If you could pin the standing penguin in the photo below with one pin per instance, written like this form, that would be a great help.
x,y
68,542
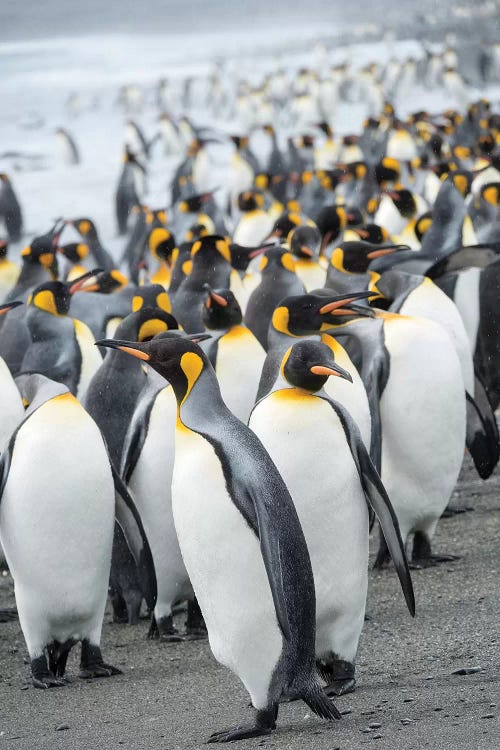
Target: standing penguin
x,y
130,189
60,584
305,243
61,347
69,149
98,255
308,434
278,280
11,406
234,352
258,588
147,467
9,271
10,210
111,400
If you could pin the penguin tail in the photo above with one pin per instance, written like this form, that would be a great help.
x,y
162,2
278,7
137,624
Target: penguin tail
x,y
320,703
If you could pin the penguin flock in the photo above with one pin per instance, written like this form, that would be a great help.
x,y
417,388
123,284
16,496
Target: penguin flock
x,y
291,352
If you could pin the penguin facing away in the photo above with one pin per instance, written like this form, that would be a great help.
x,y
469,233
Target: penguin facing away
x,y
308,434
257,593
61,590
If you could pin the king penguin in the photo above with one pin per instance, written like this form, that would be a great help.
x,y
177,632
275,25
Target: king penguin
x,y
111,400
234,352
308,434
56,527
258,588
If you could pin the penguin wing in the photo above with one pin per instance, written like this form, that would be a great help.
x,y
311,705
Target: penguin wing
x,y
5,462
378,499
259,493
130,522
135,438
482,438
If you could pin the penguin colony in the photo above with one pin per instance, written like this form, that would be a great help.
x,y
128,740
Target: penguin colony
x,y
284,360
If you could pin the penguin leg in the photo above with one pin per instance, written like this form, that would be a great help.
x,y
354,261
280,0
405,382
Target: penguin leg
x,y
164,629
421,553
383,554
195,624
92,664
120,614
265,722
41,676
338,675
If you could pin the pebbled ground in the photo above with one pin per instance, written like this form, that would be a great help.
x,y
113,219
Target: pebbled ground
x,y
174,696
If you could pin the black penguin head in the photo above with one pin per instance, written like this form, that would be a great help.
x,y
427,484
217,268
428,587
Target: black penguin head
x,y
486,144
275,260
461,179
250,200
491,193
177,358
53,297
305,242
241,255
324,126
75,252
195,203
355,170
286,223
353,215
388,170
85,227
355,257
309,364
42,250
197,231
240,141
404,200
373,233
210,249
220,309
151,295
330,221
105,282
161,243
146,323
305,314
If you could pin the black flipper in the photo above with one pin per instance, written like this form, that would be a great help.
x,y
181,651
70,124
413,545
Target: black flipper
x,y
482,438
130,523
377,498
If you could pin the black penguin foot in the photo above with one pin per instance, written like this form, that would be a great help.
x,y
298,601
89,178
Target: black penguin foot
x,y
42,677
265,722
195,624
164,630
455,510
338,675
120,614
422,556
431,561
340,687
92,663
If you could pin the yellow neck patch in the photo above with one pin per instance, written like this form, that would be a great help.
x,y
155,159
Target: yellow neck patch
x,y
150,328
288,262
192,367
45,301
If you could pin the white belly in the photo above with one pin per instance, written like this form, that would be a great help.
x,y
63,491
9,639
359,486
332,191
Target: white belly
x,y
423,422
252,228
467,300
151,487
311,274
307,442
428,301
91,357
238,367
56,524
225,565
